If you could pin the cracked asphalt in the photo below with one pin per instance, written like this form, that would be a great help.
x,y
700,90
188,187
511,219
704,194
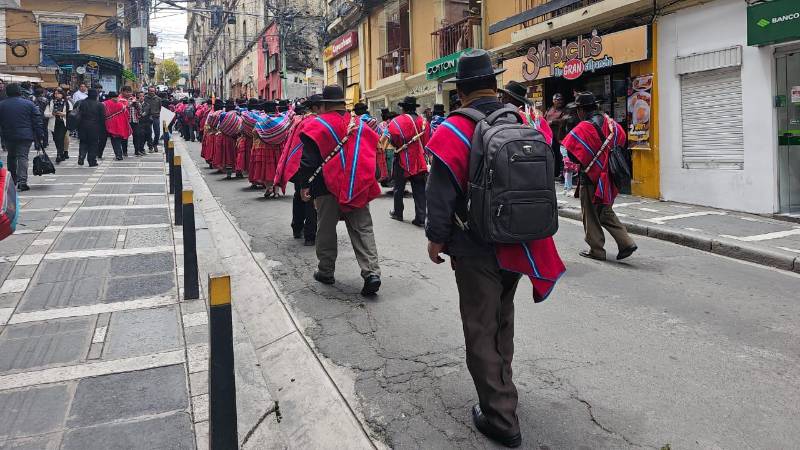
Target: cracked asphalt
x,y
676,346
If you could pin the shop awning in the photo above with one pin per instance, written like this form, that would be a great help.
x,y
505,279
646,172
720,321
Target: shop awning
x,y
11,78
79,59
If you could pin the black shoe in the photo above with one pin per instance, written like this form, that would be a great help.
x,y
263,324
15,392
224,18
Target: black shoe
x,y
92,165
118,158
297,234
66,155
625,252
490,432
324,279
59,159
80,163
155,149
125,154
590,255
371,285
22,187
310,243
419,223
394,216
239,175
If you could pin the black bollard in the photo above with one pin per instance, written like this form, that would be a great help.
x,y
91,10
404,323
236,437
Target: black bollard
x,y
222,424
191,288
178,190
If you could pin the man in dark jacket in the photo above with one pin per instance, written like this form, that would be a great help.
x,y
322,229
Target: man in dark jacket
x,y
91,126
21,124
152,108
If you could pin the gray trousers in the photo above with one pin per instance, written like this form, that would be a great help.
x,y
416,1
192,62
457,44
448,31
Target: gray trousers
x,y
359,227
18,160
486,301
595,218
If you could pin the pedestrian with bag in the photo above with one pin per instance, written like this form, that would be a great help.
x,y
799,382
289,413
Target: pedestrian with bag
x,y
591,144
408,134
21,125
140,123
57,109
492,209
515,93
91,123
117,121
152,109
337,172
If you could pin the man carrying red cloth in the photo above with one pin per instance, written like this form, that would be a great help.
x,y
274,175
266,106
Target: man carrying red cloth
x,y
595,187
118,125
487,274
408,134
337,170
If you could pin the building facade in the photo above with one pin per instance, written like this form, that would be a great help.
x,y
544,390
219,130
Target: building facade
x,y
69,41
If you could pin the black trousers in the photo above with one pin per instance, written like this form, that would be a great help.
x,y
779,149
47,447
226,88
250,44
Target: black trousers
x,y
59,138
304,216
88,149
417,190
486,302
102,140
45,125
116,144
141,133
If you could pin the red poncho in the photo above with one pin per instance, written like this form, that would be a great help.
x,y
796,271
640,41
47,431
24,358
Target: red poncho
x,y
534,119
401,131
117,118
350,175
539,259
243,144
583,142
289,161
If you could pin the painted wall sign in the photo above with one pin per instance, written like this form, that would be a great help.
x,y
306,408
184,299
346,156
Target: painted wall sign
x,y
772,22
343,43
585,54
444,66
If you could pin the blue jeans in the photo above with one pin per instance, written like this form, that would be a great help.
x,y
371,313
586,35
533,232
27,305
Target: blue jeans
x,y
18,151
153,144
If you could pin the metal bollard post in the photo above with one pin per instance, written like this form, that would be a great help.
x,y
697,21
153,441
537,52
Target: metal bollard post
x,y
170,152
191,288
178,190
222,424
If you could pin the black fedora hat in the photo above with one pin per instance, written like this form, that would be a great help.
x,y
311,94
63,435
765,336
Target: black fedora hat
x,y
409,102
360,108
583,99
332,94
438,109
517,91
473,65
312,100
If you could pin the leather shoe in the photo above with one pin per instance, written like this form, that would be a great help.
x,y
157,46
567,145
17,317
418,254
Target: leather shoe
x,y
488,430
419,223
590,255
625,252
371,285
324,279
394,216
310,243
22,187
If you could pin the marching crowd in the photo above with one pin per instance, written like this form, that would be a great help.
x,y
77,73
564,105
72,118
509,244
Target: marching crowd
x,y
495,220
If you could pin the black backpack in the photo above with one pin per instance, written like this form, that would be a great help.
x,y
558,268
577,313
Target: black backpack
x,y
618,167
512,194
42,165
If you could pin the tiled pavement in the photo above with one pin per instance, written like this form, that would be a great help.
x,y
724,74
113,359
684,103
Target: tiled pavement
x,y
97,351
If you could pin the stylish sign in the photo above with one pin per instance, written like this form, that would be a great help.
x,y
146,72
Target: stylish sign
x,y
444,66
772,22
584,54
342,44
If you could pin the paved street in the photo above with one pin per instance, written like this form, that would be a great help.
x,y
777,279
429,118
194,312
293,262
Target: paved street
x,y
675,346
96,350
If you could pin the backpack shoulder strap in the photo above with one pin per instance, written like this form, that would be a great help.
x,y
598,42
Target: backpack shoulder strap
x,y
470,113
504,111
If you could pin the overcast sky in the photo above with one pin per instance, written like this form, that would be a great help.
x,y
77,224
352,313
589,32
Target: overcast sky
x,y
169,26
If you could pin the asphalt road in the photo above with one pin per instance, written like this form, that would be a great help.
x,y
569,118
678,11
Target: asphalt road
x,y
675,346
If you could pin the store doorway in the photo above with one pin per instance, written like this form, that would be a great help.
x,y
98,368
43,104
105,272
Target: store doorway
x,y
787,102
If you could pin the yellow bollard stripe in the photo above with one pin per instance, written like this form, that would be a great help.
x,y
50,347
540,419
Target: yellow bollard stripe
x,y
177,161
219,290
187,197
170,144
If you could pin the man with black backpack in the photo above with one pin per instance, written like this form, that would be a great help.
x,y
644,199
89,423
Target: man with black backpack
x,y
492,208
595,144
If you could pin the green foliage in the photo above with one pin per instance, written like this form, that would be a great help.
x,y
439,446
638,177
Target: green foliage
x,y
168,72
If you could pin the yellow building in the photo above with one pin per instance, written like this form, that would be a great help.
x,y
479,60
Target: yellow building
x,y
37,37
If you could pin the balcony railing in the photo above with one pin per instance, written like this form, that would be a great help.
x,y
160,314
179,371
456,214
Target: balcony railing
x,y
394,62
458,36
530,4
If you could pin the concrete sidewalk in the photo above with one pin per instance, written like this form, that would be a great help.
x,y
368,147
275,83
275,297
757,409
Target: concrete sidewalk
x,y
97,350
743,236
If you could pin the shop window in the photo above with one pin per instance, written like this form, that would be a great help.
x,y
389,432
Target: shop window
x,y
58,38
396,39
341,79
711,116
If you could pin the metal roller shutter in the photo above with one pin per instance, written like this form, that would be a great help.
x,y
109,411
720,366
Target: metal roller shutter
x,y
712,127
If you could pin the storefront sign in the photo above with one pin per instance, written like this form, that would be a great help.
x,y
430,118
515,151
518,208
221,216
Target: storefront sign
x,y
585,54
639,102
342,44
423,89
795,94
771,22
444,66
